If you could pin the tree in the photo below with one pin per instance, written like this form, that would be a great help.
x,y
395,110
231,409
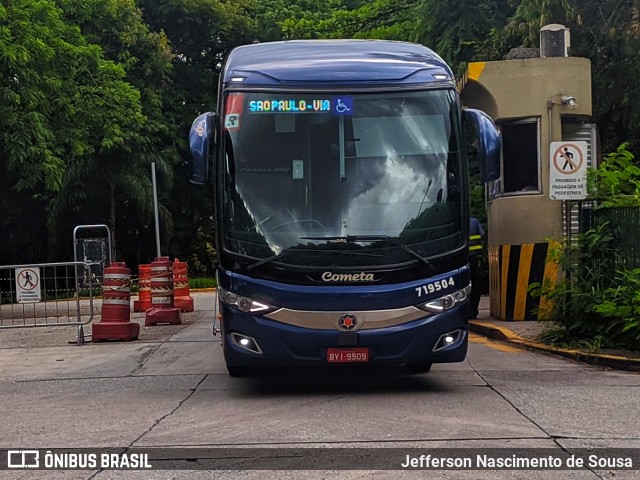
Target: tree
x,y
616,181
115,185
200,33
456,29
61,102
307,19
608,33
531,15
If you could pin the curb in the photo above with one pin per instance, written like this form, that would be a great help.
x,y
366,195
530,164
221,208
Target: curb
x,y
497,332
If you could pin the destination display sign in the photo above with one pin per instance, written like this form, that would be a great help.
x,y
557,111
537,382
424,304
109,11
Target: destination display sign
x,y
337,105
289,106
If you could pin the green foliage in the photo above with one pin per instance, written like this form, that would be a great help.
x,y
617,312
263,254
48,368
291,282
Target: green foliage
x,y
53,88
477,203
621,306
93,91
193,234
456,28
608,33
531,15
200,33
202,282
115,180
62,104
593,345
616,181
382,19
593,307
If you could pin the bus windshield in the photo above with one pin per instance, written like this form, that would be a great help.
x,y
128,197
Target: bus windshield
x,y
342,179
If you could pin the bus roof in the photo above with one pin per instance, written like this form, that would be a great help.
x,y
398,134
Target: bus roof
x,y
335,62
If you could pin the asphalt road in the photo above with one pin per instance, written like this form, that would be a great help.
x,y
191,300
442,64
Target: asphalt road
x,y
171,389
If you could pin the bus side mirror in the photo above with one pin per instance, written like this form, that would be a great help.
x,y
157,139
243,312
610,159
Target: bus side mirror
x,y
201,146
489,143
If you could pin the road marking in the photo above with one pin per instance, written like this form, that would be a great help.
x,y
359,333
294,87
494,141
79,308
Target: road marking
x,y
479,339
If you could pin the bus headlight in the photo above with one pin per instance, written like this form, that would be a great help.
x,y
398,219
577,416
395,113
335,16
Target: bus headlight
x,y
245,304
447,302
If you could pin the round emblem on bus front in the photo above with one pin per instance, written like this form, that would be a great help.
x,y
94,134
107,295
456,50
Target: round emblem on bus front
x,y
347,322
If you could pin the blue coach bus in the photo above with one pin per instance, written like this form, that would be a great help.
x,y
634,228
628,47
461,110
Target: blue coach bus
x,y
341,187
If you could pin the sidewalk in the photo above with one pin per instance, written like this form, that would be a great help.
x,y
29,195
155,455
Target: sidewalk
x,y
49,333
525,334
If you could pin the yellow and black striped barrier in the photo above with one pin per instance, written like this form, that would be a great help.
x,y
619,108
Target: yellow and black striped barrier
x,y
512,269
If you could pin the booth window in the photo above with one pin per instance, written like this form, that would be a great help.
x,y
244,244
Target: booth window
x,y
520,156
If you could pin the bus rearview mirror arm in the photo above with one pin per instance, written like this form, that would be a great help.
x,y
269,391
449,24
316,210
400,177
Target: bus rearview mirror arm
x,y
489,143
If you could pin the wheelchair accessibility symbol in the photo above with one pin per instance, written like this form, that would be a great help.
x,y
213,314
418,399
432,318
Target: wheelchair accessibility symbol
x,y
343,106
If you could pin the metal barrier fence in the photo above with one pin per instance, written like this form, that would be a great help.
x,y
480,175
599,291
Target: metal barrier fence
x,y
46,295
623,223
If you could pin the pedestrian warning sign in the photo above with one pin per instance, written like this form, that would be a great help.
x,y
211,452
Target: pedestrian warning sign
x,y
568,171
28,284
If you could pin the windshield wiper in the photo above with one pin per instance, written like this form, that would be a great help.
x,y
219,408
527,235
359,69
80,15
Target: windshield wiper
x,y
284,253
367,238
273,258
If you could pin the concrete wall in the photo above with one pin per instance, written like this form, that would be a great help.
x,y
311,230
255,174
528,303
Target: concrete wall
x,y
523,87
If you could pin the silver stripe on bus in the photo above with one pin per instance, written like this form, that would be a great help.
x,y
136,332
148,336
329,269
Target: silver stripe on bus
x,y
367,319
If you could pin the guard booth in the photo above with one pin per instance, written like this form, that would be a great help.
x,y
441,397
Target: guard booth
x,y
92,245
541,102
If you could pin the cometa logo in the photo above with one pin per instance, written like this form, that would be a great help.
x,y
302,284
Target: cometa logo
x,y
347,277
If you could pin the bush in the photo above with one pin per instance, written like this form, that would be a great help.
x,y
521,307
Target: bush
x,y
616,181
621,306
592,307
202,282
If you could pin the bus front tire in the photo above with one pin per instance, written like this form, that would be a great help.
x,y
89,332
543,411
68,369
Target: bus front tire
x,y
239,371
418,367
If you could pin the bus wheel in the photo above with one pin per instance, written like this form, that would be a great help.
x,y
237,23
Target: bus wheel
x,y
418,367
239,371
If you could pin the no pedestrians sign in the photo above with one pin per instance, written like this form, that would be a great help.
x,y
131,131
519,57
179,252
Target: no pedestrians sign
x,y
568,171
28,284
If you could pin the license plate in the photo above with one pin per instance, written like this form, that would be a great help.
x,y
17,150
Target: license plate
x,y
347,355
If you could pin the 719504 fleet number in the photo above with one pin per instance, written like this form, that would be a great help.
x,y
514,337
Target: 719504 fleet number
x,y
435,286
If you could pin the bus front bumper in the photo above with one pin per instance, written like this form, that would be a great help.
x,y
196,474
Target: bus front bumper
x,y
260,341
